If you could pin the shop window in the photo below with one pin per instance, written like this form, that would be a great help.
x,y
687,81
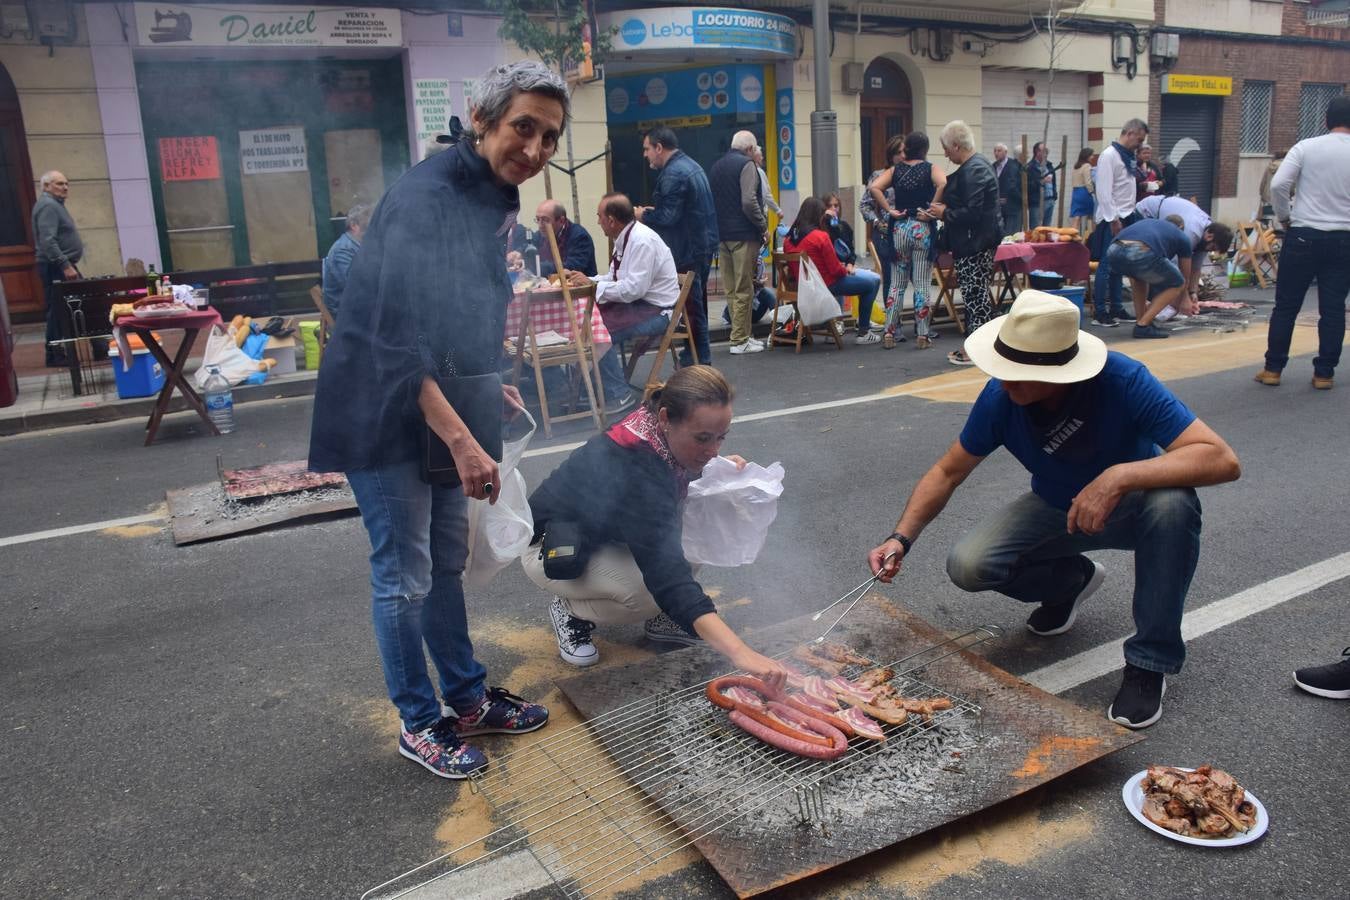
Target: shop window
x,y
1312,108
1256,101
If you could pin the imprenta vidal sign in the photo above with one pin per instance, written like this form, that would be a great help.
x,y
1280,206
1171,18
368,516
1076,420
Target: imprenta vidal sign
x,y
183,25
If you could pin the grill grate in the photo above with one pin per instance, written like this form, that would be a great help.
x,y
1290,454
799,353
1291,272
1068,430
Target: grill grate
x,y
606,799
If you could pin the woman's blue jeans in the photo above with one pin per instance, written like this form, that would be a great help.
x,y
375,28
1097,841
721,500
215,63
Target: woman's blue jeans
x,y
419,543
864,283
1024,551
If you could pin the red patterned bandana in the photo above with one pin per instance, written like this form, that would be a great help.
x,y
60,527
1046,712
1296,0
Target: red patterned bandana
x,y
640,429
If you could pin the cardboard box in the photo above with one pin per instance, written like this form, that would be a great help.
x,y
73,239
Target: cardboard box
x,y
283,351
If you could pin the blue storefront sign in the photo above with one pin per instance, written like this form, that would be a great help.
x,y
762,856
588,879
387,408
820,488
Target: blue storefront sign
x,y
787,147
707,28
710,91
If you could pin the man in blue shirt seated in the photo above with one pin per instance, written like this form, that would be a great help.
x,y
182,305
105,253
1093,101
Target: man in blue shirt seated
x,y
1156,256
574,242
340,256
1087,424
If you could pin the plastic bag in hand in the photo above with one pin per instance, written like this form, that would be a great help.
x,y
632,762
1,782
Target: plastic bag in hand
x,y
728,513
499,533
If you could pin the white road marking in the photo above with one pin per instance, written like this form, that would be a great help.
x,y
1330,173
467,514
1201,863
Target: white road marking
x,y
80,529
501,878
1106,658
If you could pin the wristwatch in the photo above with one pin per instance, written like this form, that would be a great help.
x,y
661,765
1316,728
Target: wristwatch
x,y
904,541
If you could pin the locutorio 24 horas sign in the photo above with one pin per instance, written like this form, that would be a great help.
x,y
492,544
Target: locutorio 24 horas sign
x,y
197,25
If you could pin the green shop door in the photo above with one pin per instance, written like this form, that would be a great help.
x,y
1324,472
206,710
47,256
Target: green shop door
x,y
259,162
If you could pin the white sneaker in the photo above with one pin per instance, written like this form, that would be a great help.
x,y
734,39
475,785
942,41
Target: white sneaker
x,y
573,634
750,346
756,341
870,337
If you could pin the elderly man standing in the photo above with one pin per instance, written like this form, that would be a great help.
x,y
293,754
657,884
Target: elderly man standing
x,y
1115,191
340,256
1087,424
738,197
682,213
1316,245
59,249
574,242
1009,172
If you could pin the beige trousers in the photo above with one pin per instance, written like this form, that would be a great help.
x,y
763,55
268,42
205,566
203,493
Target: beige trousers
x,y
737,263
610,592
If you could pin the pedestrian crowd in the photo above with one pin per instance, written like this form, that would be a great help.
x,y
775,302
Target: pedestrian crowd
x,y
1114,458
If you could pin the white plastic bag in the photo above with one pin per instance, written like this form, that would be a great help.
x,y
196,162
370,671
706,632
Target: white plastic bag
x,y
235,364
815,303
499,533
728,513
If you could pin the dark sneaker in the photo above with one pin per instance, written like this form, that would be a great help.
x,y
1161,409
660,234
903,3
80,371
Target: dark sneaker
x,y
662,627
1138,703
1327,681
1109,323
573,634
1121,317
1149,331
620,404
501,712
1050,620
440,751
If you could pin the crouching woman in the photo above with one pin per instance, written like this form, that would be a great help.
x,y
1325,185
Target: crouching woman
x,y
618,500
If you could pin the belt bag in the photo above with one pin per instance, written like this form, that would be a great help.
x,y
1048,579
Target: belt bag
x,y
564,551
477,399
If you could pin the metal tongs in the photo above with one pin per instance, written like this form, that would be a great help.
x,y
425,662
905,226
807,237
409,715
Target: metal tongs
x,y
856,594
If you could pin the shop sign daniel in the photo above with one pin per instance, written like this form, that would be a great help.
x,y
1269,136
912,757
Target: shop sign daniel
x,y
196,25
702,28
1204,85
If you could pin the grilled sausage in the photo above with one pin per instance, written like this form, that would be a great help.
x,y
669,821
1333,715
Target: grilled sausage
x,y
775,737
714,689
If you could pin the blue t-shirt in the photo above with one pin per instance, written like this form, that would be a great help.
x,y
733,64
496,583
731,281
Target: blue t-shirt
x,y
1161,236
1122,415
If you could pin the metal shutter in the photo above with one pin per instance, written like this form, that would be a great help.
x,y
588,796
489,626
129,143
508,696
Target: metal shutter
x,y
1192,123
1006,117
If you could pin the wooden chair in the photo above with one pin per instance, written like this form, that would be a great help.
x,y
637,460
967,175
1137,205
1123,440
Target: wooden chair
x,y
677,330
947,283
578,351
1255,245
326,321
787,296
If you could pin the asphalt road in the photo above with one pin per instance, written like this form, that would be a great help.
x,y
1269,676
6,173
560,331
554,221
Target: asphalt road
x,y
210,721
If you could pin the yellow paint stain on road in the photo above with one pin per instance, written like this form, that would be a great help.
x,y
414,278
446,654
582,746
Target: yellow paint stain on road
x,y
1184,355
132,531
1013,833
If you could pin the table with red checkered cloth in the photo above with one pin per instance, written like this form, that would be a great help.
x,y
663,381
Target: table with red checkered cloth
x,y
548,312
145,327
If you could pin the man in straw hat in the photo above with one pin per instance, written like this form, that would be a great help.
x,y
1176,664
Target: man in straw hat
x,y
1087,424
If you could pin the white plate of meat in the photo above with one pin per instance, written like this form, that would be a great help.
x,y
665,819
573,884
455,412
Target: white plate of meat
x,y
1205,807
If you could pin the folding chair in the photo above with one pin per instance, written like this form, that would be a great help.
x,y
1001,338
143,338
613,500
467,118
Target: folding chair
x,y
579,350
947,283
787,296
677,330
326,321
1255,245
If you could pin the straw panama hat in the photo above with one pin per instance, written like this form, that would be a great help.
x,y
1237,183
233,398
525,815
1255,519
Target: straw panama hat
x,y
1038,340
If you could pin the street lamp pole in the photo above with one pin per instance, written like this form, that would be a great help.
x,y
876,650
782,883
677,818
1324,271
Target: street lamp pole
x,y
824,120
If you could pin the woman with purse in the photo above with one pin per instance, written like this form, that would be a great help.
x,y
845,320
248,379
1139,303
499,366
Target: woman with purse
x,y
915,183
969,213
810,235
608,538
412,368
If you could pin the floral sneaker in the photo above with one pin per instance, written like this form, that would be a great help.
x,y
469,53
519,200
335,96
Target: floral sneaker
x,y
439,750
501,712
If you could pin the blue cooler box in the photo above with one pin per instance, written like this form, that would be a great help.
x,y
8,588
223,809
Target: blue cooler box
x,y
1074,295
143,379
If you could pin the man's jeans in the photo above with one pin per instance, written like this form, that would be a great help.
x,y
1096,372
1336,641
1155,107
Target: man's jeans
x,y
58,317
864,284
1139,262
611,373
419,542
1106,287
1307,254
1024,551
696,309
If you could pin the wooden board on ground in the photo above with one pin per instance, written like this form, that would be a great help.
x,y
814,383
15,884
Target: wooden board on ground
x,y
204,512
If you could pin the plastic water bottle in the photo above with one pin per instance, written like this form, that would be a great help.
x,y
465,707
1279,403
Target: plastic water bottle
x,y
219,400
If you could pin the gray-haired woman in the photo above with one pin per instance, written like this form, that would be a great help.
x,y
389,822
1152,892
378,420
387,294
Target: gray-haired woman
x,y
969,213
427,297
